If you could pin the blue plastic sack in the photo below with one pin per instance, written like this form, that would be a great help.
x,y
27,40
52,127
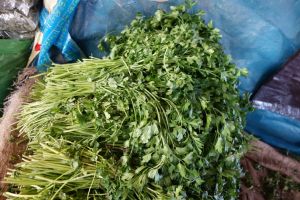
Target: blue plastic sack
x,y
260,35
55,28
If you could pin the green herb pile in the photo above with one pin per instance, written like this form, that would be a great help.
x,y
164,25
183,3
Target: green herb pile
x,y
160,119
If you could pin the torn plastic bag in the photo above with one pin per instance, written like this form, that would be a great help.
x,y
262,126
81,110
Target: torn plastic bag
x,y
13,57
18,18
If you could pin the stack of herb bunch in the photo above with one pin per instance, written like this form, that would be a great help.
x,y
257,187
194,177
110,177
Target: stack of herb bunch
x,y
161,118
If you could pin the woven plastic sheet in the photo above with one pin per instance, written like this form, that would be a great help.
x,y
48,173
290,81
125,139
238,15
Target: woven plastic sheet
x,y
55,28
260,35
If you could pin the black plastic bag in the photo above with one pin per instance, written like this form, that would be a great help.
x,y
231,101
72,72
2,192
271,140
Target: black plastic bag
x,y
281,93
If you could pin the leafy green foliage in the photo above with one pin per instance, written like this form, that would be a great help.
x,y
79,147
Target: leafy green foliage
x,y
161,119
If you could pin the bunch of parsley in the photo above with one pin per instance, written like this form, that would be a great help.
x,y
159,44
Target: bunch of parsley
x,y
160,119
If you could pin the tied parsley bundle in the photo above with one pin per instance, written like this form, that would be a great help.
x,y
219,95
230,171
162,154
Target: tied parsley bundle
x,y
160,119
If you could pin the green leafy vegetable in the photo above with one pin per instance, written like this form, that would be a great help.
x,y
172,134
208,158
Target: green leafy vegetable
x,y
160,119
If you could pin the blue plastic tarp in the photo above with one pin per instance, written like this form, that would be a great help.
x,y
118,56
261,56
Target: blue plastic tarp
x,y
259,35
